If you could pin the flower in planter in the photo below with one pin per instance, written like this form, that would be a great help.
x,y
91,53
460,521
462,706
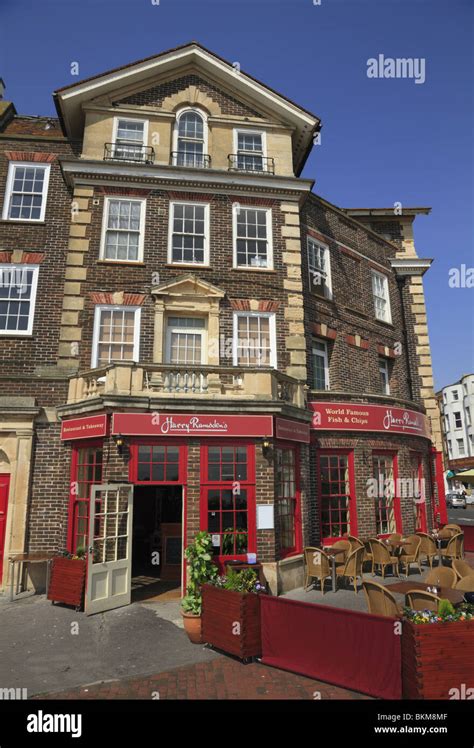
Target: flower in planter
x,y
245,580
445,614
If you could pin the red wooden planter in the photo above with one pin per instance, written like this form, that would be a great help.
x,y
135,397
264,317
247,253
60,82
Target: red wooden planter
x,y
231,621
436,657
67,581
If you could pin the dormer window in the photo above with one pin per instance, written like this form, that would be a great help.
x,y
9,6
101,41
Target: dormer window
x,y
250,152
190,140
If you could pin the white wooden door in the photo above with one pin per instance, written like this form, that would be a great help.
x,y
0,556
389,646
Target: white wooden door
x,y
109,567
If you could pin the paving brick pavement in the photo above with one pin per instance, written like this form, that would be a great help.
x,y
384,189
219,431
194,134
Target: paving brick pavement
x,y
221,678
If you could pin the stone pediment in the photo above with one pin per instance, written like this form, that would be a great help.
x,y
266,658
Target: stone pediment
x,y
188,286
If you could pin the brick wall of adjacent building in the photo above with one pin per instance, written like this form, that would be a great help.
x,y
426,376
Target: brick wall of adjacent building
x,y
353,368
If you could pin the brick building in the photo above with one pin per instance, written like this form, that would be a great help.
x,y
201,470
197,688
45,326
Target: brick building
x,y
222,347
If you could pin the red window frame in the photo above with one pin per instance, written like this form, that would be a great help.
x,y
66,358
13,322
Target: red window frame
x,y
296,548
352,525
416,459
397,513
74,499
134,461
248,485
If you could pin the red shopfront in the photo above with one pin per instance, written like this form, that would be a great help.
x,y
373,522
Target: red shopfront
x,y
340,486
205,464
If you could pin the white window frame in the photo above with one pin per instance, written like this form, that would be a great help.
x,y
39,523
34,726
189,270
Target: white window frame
x,y
455,413
384,370
9,188
461,445
384,278
272,330
244,131
269,220
179,114
129,119
455,396
205,262
141,237
327,259
325,356
201,330
136,331
32,299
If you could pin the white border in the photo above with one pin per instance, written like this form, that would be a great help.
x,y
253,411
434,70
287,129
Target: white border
x,y
174,140
8,189
32,299
273,349
235,211
136,332
206,260
327,257
141,237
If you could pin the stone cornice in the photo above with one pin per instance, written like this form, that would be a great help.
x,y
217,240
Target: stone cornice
x,y
164,177
410,266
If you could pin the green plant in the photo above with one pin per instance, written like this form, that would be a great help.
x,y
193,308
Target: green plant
x,y
200,569
445,614
245,580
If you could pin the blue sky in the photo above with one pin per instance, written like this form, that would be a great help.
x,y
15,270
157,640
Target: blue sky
x,y
382,140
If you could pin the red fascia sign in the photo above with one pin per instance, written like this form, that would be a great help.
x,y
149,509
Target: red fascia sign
x,y
294,431
361,417
91,427
190,424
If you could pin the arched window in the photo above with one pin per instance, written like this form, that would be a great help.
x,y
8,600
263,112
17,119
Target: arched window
x,y
190,140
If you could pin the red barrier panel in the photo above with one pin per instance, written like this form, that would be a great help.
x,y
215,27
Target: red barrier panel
x,y
468,531
344,647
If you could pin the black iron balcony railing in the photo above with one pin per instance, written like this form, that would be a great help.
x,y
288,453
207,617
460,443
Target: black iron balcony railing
x,y
253,163
137,154
191,160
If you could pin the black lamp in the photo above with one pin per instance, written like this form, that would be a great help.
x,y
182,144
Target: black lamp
x,y
119,442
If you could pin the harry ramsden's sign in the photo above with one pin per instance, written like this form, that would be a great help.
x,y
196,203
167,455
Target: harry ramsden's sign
x,y
353,417
179,424
90,427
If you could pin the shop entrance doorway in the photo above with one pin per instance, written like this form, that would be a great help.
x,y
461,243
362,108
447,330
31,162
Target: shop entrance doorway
x,y
157,543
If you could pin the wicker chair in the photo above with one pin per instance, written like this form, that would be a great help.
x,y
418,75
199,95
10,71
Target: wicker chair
x,y
380,601
410,554
395,536
453,528
340,560
317,566
428,547
461,568
355,542
466,583
454,548
381,556
442,576
421,600
353,567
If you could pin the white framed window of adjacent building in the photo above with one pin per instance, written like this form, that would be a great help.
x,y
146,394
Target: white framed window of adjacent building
x,y
123,229
457,419
254,339
446,421
18,284
384,371
461,447
381,296
190,139
116,334
188,240
26,191
320,360
319,268
129,138
252,231
186,341
250,148
450,448
455,395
